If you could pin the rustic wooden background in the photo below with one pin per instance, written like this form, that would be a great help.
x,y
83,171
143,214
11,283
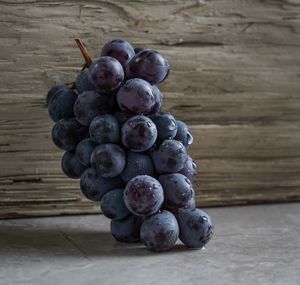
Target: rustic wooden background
x,y
235,79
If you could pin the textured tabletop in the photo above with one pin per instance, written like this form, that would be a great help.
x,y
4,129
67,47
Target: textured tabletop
x,y
252,245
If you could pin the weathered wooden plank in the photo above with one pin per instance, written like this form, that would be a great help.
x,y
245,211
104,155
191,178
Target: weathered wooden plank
x,y
234,77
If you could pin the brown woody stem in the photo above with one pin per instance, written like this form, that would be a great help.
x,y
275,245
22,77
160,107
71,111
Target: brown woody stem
x,y
87,58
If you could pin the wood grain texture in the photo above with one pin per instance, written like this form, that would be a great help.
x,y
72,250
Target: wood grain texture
x,y
235,78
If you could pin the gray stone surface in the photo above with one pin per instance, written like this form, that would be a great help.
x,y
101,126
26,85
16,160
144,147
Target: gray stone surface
x,y
252,245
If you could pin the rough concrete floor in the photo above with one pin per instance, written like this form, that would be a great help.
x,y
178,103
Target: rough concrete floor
x,y
252,245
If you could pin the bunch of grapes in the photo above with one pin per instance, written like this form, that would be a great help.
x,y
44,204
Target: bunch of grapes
x,y
128,154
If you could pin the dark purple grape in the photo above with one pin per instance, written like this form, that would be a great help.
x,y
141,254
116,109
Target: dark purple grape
x,y
108,160
113,206
143,195
62,103
137,164
127,229
190,169
135,97
149,65
122,117
71,166
137,50
82,82
120,50
183,134
158,97
106,74
67,133
178,189
195,227
90,104
138,133
54,90
160,231
165,124
93,186
105,129
169,157
84,151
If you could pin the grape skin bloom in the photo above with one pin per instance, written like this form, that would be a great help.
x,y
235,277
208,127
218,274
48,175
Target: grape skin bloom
x,y
137,163
138,133
67,133
71,166
126,229
120,50
105,129
136,97
84,151
93,186
113,206
90,104
149,65
169,157
108,160
160,231
165,124
143,195
178,189
62,103
195,227
106,74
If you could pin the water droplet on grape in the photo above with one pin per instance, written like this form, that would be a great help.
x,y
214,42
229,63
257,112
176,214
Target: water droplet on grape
x,y
172,124
194,166
190,138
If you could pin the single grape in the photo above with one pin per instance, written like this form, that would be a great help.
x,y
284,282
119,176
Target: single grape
x,y
106,74
67,133
138,133
82,82
158,98
84,151
62,103
105,129
165,124
190,169
169,157
94,187
137,164
160,231
149,65
178,189
120,50
122,117
135,97
53,91
108,160
90,104
113,206
195,227
183,134
71,166
143,195
137,50
127,229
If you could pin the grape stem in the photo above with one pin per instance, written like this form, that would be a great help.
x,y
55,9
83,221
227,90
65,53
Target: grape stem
x,y
87,58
